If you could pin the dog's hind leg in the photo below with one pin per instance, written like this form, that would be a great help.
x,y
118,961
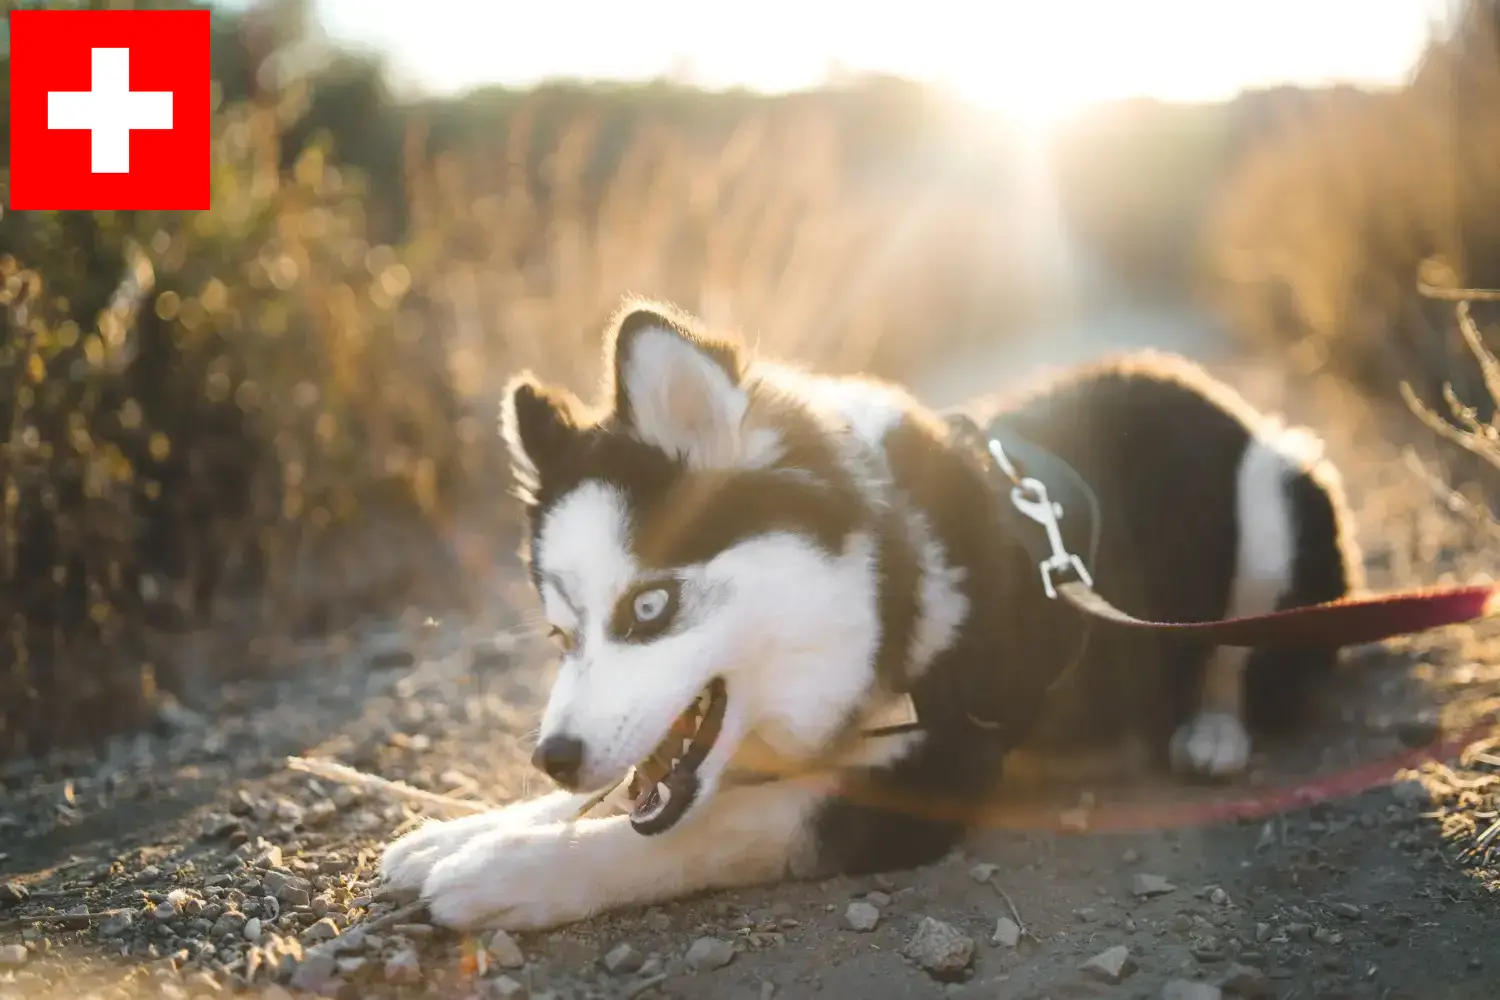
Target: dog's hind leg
x,y
534,877
1215,743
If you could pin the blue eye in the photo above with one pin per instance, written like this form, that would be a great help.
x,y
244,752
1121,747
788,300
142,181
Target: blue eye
x,y
646,611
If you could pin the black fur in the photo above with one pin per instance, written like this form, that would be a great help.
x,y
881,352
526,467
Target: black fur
x,y
1160,444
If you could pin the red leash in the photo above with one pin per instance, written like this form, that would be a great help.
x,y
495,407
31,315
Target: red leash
x,y
1345,622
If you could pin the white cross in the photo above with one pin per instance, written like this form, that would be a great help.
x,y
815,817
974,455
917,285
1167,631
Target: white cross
x,y
109,111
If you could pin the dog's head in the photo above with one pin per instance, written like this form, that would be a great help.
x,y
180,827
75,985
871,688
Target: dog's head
x,y
703,557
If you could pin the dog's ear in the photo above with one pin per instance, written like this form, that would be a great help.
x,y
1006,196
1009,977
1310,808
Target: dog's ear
x,y
540,425
676,387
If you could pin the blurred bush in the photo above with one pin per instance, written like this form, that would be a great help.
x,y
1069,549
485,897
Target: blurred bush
x,y
1346,199
270,418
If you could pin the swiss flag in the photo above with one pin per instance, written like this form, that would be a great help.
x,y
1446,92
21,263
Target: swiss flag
x,y
109,109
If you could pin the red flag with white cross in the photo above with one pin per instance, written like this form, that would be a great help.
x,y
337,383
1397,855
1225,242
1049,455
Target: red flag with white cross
x,y
109,109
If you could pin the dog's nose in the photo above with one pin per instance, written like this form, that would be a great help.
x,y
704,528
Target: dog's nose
x,y
560,757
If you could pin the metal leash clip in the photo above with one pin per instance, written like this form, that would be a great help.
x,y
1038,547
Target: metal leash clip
x,y
1030,498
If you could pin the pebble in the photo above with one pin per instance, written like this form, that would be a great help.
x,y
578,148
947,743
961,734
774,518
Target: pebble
x,y
12,893
252,930
1007,933
314,972
1111,965
622,960
983,872
1348,911
1248,982
229,922
708,953
881,899
12,955
861,916
1150,885
504,988
940,948
506,953
403,967
116,925
323,930
1187,989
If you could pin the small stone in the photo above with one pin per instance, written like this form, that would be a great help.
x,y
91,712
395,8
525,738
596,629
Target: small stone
x,y
116,925
1248,982
1130,857
12,893
878,898
861,916
1111,965
506,953
229,922
1187,989
504,988
323,930
622,960
1150,885
709,953
252,930
940,948
1348,911
314,972
12,956
1007,933
983,871
1218,896
1326,937
403,967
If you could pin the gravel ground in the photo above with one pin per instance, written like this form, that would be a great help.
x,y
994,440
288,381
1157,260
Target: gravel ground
x,y
192,862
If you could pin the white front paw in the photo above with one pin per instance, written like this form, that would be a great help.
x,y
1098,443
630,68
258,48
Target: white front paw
x,y
518,879
1213,745
407,862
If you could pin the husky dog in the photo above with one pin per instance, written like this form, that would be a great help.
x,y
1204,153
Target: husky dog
x,y
744,566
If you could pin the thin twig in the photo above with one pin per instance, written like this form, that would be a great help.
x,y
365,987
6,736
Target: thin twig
x,y
1015,914
1458,294
445,805
15,923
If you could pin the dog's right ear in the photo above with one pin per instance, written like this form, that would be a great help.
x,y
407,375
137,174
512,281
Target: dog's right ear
x,y
540,426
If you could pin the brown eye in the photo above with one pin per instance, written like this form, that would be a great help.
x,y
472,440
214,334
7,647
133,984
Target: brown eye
x,y
563,637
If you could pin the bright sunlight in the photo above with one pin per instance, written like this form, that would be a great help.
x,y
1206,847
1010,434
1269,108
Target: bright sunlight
x,y
1026,60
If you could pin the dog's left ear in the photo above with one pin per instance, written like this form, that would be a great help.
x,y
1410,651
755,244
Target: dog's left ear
x,y
540,426
675,387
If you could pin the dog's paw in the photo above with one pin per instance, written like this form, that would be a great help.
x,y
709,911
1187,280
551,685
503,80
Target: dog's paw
x,y
407,862
516,879
1212,745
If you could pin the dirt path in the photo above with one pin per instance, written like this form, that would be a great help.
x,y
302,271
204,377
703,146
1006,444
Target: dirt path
x,y
190,861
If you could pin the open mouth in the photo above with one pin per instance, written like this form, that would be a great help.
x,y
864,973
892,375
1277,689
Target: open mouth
x,y
663,785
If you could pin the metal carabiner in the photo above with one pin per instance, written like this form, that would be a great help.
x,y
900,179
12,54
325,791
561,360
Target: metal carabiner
x,y
1030,498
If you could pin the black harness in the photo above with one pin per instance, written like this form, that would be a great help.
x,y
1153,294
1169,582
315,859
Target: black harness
x,y
1031,489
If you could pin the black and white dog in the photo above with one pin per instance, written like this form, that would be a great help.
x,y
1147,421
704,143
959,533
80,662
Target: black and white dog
x,y
744,565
